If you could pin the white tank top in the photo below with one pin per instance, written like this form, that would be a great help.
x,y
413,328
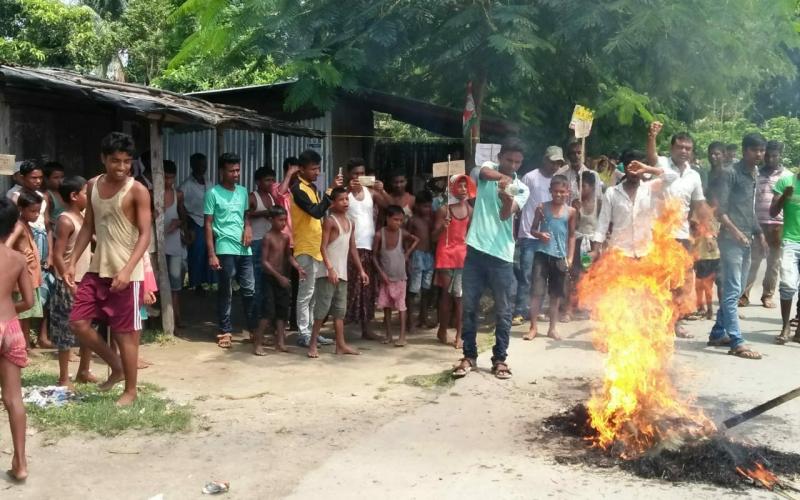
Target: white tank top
x,y
339,248
260,226
362,214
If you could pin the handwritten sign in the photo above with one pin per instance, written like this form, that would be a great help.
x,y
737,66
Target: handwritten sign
x,y
486,152
581,121
456,167
7,164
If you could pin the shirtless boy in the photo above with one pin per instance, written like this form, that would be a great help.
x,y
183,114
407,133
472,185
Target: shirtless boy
x,y
14,357
276,286
118,215
421,271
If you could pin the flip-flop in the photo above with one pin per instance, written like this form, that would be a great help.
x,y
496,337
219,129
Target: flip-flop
x,y
744,353
460,370
224,341
501,371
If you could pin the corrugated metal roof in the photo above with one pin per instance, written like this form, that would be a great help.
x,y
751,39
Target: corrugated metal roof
x,y
144,101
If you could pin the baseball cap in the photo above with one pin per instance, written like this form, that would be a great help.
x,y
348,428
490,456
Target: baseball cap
x,y
554,153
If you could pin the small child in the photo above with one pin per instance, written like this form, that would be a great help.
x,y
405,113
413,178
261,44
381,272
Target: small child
x,y
452,222
21,239
14,276
390,252
330,291
706,266
587,212
72,191
276,287
422,260
554,227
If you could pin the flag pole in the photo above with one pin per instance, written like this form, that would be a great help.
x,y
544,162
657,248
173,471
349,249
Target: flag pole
x,y
447,205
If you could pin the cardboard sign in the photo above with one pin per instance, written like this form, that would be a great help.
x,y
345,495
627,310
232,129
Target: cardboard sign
x,y
366,180
7,164
581,121
456,167
486,152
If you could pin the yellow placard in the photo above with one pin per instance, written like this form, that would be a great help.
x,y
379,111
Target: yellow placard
x,y
581,122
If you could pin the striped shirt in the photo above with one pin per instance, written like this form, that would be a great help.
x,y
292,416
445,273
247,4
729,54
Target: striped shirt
x,y
765,184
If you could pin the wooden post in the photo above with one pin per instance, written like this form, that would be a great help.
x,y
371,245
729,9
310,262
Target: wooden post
x,y
157,167
583,162
5,138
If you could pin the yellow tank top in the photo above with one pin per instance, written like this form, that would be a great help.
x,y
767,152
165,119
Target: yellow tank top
x,y
116,235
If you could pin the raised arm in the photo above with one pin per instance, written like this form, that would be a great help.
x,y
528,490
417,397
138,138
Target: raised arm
x,y
652,137
286,183
301,199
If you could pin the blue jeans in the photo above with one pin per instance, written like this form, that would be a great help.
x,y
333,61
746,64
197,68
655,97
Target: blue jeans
x,y
522,271
197,258
240,268
735,266
481,270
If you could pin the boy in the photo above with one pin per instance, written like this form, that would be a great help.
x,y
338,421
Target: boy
x,y
330,292
420,225
194,190
276,261
390,252
175,219
450,231
53,176
118,218
706,252
13,357
73,191
228,238
259,203
554,228
308,207
399,196
22,240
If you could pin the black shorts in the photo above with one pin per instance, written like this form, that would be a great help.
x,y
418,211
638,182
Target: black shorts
x,y
549,275
276,300
706,268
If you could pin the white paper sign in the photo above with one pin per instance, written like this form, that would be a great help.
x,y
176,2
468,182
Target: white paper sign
x,y
486,152
443,169
581,121
7,164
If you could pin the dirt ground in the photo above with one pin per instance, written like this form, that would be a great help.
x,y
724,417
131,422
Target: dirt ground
x,y
283,426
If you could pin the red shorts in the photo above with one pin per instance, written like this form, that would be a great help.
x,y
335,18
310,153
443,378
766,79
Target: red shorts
x,y
13,342
94,300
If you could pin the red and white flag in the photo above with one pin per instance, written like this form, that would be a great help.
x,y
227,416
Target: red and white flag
x,y
469,117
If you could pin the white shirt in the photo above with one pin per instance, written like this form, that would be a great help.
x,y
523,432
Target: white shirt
x,y
194,195
362,213
688,187
539,187
574,181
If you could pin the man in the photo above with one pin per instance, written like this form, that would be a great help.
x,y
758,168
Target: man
x,y
308,207
786,201
194,190
739,231
228,236
118,219
717,173
538,184
490,255
772,227
730,154
573,170
688,189
629,208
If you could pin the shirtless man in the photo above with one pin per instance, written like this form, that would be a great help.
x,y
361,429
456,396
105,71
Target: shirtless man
x,y
399,196
118,215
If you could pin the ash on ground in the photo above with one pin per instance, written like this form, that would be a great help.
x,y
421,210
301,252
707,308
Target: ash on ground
x,y
710,460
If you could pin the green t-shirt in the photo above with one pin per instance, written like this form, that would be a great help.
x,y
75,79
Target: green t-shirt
x,y
791,207
228,209
487,232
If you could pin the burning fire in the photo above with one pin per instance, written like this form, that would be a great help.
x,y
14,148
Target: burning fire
x,y
635,313
760,475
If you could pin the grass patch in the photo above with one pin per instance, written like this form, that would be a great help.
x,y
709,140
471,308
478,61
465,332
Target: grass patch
x,y
97,413
485,341
155,336
431,381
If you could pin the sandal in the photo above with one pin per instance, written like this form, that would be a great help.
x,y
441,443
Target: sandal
x,y
744,352
224,341
565,318
744,301
794,321
501,370
464,366
768,302
781,339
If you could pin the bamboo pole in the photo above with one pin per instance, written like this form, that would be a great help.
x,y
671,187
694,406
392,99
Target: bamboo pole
x,y
447,205
758,410
157,167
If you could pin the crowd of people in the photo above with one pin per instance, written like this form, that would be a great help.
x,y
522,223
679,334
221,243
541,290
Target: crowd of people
x,y
78,253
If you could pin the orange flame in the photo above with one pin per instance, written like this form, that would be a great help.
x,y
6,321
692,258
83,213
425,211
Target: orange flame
x,y
635,312
761,475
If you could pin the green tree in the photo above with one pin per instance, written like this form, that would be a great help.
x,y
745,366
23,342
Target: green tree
x,y
48,33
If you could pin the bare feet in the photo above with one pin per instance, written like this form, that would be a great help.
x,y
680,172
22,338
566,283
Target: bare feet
x,y
66,383
18,472
400,343
85,378
386,340
113,379
126,399
442,336
530,335
368,335
346,349
73,358
258,349
553,335
44,343
312,353
281,348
